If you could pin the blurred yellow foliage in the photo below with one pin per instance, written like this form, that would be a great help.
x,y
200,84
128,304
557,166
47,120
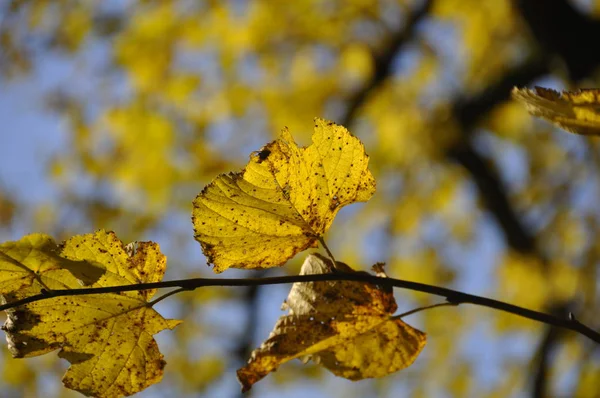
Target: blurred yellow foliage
x,y
145,49
534,284
143,142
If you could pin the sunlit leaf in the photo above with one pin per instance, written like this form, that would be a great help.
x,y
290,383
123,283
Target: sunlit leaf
x,y
107,338
37,257
283,201
345,326
574,111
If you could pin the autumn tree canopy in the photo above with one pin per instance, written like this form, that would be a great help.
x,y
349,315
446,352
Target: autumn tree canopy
x,y
132,108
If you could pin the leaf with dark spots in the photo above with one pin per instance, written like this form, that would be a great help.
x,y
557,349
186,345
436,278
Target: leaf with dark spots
x,y
344,326
279,204
113,329
37,260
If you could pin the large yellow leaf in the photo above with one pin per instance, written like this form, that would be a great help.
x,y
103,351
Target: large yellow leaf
x,y
107,338
283,201
574,111
345,326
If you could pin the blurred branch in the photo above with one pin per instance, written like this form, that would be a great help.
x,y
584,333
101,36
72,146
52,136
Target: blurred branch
x,y
541,358
245,342
562,30
540,381
494,197
468,113
452,296
384,60
576,44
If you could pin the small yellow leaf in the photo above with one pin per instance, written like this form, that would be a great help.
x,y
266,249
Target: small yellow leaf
x,y
574,111
345,326
107,338
283,201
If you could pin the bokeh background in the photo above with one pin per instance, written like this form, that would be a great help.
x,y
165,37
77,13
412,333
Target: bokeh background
x,y
114,114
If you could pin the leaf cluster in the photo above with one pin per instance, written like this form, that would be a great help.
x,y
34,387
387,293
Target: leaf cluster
x,y
281,203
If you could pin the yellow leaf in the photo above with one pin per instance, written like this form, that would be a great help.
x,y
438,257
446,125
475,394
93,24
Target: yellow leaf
x,y
345,326
574,111
283,201
107,338
37,257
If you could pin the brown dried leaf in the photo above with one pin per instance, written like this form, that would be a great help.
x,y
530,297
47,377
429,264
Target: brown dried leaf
x,y
345,326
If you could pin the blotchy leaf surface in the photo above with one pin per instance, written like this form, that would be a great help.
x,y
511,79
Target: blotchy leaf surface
x,y
107,338
345,326
574,111
283,201
36,257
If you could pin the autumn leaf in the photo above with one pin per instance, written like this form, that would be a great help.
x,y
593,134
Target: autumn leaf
x,y
345,326
36,257
107,338
283,201
574,111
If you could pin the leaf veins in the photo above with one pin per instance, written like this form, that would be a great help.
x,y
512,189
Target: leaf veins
x,y
574,111
346,327
107,338
283,201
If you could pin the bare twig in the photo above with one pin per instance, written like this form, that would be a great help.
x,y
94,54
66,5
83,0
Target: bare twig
x,y
453,296
164,296
427,307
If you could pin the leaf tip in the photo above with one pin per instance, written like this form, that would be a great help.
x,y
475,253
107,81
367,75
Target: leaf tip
x,y
246,379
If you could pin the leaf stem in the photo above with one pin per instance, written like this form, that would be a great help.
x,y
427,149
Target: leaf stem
x,y
453,296
322,241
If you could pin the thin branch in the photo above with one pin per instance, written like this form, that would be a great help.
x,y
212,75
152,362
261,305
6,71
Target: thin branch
x,y
452,296
164,296
427,307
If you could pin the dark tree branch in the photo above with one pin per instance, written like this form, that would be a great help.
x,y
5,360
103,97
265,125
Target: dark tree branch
x,y
384,60
245,343
540,382
541,359
543,17
493,195
452,296
469,112
563,31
